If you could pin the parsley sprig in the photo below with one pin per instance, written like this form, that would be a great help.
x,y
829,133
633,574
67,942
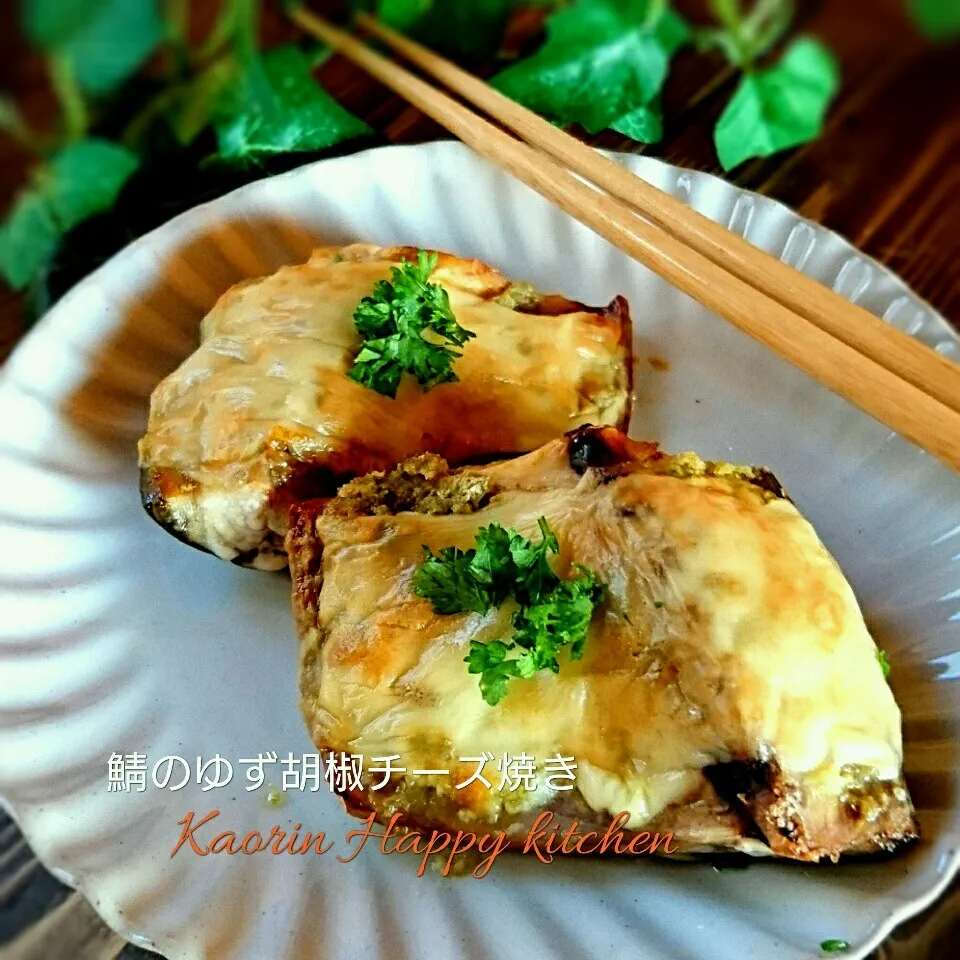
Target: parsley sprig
x,y
553,614
407,325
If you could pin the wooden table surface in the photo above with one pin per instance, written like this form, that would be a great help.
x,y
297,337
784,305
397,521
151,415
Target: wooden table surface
x,y
886,174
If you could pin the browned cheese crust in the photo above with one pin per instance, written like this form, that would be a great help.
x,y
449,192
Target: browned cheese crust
x,y
729,691
263,414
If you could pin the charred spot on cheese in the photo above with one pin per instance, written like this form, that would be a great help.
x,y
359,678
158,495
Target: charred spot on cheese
x,y
766,481
737,783
737,780
160,492
306,481
605,448
593,447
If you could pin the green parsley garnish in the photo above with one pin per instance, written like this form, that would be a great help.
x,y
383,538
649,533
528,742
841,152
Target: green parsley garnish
x,y
562,618
407,325
503,564
884,662
834,946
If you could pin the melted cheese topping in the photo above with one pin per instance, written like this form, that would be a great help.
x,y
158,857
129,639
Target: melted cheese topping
x,y
729,633
268,388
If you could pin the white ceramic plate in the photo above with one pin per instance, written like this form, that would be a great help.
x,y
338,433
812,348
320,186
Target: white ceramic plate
x,y
115,637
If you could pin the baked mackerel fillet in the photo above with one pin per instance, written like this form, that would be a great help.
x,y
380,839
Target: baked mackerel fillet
x,y
264,414
729,691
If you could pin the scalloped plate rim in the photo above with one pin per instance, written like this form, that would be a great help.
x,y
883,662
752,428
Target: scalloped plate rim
x,y
906,908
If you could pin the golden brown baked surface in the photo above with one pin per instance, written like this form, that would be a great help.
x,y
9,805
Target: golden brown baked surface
x,y
263,414
729,690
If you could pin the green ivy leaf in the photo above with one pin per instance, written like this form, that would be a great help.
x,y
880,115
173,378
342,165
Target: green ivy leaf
x,y
939,19
403,14
82,179
102,42
28,239
645,124
193,105
603,60
277,107
85,178
465,29
745,36
780,107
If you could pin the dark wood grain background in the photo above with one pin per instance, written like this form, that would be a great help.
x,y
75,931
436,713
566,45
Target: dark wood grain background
x,y
886,174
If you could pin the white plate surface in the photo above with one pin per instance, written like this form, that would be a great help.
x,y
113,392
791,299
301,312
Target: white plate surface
x,y
115,637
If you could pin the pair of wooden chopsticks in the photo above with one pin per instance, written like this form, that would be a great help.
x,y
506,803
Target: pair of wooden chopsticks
x,y
883,371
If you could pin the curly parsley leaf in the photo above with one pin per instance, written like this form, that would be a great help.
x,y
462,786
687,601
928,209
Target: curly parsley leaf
x,y
79,181
276,107
100,42
533,576
559,620
489,660
939,19
492,564
554,614
503,563
603,60
448,581
780,107
408,326
508,564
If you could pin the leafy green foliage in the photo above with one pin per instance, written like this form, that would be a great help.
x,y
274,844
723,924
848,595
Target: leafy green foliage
x,y
100,42
603,61
645,124
85,178
189,107
465,29
744,37
79,181
780,107
219,100
407,325
554,614
276,107
27,239
939,19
